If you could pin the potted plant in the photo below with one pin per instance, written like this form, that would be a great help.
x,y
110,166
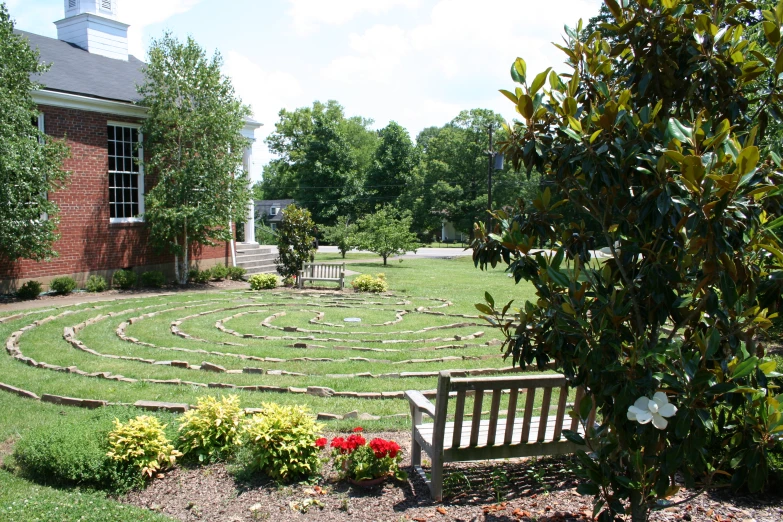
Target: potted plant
x,y
366,464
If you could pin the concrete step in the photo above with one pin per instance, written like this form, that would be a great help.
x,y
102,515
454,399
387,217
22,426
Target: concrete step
x,y
267,269
257,264
251,258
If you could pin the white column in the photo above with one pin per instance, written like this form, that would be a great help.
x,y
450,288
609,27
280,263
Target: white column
x,y
250,224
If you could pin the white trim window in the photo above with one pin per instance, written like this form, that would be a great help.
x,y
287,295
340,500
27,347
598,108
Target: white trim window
x,y
126,173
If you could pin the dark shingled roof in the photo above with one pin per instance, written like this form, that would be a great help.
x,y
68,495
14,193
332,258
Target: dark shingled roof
x,y
76,71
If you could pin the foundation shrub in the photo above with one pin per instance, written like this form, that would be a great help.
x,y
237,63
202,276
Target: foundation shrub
x,y
96,283
29,290
236,273
153,279
62,285
212,431
280,442
199,276
368,283
262,281
73,451
219,272
141,445
124,279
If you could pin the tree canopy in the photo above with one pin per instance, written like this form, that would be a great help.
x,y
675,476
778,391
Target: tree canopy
x,y
31,163
194,147
658,131
387,232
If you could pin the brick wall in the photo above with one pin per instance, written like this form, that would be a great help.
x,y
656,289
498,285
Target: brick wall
x,y
88,242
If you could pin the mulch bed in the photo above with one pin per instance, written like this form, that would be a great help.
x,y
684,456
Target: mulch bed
x,y
542,490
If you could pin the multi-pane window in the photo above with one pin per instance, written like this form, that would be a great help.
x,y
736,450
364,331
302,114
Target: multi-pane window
x,y
126,176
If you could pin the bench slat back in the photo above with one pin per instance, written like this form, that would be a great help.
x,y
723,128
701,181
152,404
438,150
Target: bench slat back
x,y
324,270
512,386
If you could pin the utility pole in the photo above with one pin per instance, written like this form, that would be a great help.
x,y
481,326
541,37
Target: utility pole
x,y
489,180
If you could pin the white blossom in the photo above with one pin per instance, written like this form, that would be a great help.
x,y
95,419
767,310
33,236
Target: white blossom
x,y
656,410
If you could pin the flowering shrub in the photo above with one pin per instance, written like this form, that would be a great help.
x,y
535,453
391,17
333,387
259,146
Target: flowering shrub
x,y
368,283
141,443
213,430
361,461
282,443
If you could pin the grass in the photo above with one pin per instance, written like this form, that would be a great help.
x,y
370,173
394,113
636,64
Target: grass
x,y
416,282
327,257
22,501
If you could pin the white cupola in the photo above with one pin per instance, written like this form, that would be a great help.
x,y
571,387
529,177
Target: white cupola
x,y
93,26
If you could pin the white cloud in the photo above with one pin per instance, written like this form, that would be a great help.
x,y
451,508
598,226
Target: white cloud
x,y
308,15
143,13
379,51
266,92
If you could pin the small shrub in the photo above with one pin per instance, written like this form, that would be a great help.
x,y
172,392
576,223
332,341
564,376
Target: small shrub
x,y
212,431
153,279
124,279
289,281
29,290
281,443
73,451
199,276
62,285
141,444
96,283
262,281
236,273
219,272
368,283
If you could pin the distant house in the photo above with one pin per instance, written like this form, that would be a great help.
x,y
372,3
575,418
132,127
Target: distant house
x,y
88,98
269,211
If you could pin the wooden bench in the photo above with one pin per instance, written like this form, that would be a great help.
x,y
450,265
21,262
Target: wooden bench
x,y
495,437
322,272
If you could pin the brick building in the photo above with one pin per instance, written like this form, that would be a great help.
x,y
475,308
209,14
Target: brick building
x,y
88,100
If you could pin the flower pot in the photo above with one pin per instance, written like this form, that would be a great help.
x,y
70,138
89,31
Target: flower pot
x,y
367,483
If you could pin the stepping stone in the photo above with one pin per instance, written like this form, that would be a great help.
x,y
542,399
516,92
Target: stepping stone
x,y
320,391
328,416
209,367
72,401
19,391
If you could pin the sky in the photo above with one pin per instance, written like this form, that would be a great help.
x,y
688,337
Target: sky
x,y
416,62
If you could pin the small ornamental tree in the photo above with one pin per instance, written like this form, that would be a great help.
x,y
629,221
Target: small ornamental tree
x,y
655,131
387,233
295,240
342,235
30,162
194,145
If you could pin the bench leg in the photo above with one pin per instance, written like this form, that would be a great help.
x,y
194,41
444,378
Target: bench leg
x,y
436,478
415,446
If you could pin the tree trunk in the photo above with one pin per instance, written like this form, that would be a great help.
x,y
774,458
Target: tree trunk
x,y
384,260
639,511
183,269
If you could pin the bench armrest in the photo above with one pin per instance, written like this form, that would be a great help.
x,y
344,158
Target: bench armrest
x,y
420,402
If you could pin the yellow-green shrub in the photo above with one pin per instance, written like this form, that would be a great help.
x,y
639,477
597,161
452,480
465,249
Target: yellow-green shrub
x,y
280,442
368,283
211,431
262,281
141,443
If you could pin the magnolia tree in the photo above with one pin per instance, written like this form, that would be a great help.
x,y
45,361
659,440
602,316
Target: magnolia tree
x,y
295,240
657,131
194,146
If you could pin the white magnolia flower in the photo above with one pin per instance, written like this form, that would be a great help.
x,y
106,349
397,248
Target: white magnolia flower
x,y
645,410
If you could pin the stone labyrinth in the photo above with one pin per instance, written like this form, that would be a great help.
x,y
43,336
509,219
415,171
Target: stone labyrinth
x,y
336,352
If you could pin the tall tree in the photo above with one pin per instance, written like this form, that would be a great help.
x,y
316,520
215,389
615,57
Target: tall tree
x,y
194,146
392,168
30,162
322,160
656,130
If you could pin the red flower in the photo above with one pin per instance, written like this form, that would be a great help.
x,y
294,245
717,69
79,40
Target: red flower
x,y
384,448
320,443
358,429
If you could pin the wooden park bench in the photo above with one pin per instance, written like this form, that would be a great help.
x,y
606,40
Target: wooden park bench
x,y
322,272
503,435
